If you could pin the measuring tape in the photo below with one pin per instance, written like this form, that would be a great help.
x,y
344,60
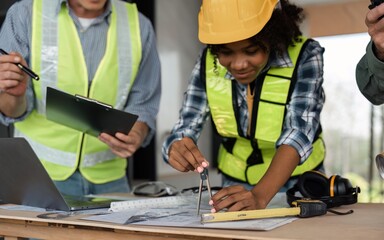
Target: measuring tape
x,y
160,202
305,208
250,214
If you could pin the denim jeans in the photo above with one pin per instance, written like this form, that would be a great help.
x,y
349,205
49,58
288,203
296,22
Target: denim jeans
x,y
78,185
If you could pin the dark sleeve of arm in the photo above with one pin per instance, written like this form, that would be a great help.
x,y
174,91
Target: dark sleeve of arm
x,y
370,76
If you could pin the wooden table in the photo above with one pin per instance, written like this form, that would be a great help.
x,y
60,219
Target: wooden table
x,y
367,222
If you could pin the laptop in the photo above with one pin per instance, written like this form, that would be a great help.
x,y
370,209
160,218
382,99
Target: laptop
x,y
24,181
86,115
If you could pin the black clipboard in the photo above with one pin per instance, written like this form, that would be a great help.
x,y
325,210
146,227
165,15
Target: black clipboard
x,y
86,115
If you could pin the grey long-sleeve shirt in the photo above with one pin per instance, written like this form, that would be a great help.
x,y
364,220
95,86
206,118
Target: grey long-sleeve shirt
x,y
144,98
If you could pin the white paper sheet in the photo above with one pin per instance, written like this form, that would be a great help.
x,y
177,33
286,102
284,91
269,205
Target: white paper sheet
x,y
186,216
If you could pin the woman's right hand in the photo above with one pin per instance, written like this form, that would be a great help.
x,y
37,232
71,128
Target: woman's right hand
x,y
185,156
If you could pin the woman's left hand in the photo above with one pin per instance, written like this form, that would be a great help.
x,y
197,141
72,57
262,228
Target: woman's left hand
x,y
235,198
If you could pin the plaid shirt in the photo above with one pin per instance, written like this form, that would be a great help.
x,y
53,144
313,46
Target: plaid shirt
x,y
303,111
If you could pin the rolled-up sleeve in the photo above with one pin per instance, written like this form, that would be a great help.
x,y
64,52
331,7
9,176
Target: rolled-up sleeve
x,y
303,111
193,113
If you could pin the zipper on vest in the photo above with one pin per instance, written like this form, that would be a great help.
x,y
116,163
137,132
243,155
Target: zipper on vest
x,y
236,108
255,157
81,151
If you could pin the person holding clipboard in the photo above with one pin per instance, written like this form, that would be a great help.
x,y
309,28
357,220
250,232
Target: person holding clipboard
x,y
103,50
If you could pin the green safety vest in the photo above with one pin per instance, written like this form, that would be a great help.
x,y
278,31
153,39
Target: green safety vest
x,y
245,159
56,55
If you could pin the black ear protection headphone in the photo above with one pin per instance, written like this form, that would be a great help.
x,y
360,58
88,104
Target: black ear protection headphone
x,y
334,191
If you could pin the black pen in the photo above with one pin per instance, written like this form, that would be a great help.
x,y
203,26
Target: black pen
x,y
24,68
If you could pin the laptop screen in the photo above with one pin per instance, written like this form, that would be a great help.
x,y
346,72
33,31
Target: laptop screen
x,y
24,180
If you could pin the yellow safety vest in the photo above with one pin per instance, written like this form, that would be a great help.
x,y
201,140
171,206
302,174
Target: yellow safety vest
x,y
245,159
56,55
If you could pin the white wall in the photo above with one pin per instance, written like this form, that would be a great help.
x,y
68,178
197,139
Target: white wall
x,y
178,45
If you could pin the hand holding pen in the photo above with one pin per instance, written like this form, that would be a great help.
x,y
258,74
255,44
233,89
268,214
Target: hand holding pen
x,y
23,68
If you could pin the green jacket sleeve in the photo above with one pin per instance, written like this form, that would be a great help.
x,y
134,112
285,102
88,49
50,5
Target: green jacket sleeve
x,y
370,76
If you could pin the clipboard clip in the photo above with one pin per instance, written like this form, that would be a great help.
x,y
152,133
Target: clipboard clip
x,y
203,177
93,100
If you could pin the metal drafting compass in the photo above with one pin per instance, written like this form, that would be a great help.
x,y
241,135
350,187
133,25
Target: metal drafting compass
x,y
203,177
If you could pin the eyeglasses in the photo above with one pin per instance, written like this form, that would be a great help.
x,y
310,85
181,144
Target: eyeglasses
x,y
155,189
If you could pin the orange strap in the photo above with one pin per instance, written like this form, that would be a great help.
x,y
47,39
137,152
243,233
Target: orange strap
x,y
332,186
250,95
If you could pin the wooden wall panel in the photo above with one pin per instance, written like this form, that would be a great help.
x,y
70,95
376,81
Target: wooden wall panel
x,y
336,18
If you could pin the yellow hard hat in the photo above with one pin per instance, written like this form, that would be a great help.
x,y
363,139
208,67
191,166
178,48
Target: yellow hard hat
x,y
225,21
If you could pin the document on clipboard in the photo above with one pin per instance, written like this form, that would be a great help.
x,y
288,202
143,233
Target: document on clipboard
x,y
86,115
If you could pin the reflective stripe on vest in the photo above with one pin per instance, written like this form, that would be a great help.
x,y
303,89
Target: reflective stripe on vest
x,y
58,147
270,117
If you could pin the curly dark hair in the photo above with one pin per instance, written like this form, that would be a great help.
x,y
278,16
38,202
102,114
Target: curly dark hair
x,y
281,31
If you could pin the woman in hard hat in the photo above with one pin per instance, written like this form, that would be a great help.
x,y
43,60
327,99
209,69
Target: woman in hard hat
x,y
261,83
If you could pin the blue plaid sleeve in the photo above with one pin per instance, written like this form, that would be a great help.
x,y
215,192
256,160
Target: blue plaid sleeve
x,y
303,111
193,113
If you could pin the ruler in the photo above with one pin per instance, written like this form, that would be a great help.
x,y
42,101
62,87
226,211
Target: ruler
x,y
160,202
